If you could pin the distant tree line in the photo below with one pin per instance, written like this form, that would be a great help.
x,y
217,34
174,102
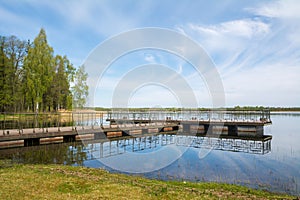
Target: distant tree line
x,y
33,79
174,109
258,108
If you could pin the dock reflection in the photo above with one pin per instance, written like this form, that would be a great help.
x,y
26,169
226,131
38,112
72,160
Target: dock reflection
x,y
150,143
76,153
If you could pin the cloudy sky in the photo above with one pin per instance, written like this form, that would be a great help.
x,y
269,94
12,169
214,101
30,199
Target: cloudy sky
x,y
254,45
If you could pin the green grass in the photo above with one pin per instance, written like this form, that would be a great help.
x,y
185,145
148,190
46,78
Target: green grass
x,y
66,182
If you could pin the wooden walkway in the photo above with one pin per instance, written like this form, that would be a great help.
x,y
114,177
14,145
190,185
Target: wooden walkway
x,y
32,137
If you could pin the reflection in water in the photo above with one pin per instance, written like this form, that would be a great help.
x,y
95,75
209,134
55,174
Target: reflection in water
x,y
151,153
290,114
63,153
250,163
147,144
76,153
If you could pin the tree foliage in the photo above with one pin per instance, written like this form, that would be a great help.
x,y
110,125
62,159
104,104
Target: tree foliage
x,y
80,88
33,79
39,72
12,53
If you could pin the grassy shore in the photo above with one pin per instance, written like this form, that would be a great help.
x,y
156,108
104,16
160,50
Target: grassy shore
x,y
66,182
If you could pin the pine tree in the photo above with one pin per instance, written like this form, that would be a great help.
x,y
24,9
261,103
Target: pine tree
x,y
61,85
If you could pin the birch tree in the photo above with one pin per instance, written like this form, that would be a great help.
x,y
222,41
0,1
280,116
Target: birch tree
x,y
39,72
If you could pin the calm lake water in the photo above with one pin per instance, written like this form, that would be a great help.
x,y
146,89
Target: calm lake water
x,y
172,157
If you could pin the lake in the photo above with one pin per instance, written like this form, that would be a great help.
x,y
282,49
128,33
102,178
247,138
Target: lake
x,y
274,167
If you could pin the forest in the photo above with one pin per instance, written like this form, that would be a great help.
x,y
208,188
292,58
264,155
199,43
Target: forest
x,y
33,79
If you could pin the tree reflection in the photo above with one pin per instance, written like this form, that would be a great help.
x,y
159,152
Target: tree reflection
x,y
63,153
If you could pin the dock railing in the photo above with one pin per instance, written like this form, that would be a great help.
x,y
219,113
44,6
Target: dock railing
x,y
44,121
210,115
77,120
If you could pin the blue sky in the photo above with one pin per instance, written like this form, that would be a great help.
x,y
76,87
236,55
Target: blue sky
x,y
255,45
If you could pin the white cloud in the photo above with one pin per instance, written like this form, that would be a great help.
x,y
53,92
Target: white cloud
x,y
265,85
179,71
229,37
259,57
247,28
229,43
285,9
150,58
100,17
285,14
